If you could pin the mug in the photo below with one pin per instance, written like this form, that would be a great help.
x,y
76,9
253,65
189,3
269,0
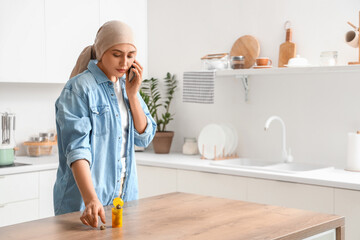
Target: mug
x,y
352,38
263,61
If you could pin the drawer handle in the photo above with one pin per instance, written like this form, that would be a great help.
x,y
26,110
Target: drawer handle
x,y
2,177
2,205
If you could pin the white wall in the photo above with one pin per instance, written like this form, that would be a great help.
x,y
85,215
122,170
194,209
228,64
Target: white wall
x,y
319,110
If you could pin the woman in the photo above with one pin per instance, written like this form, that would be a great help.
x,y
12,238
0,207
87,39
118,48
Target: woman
x,y
99,117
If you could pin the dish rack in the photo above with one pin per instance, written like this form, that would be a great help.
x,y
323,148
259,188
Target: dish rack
x,y
36,149
222,157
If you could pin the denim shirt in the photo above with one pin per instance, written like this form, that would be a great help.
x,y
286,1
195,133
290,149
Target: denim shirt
x,y
88,124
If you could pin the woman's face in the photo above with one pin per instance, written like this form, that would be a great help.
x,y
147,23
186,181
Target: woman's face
x,y
117,60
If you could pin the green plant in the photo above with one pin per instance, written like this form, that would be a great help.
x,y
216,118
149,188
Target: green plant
x,y
152,97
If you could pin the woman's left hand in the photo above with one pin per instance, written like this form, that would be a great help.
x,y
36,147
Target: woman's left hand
x,y
133,87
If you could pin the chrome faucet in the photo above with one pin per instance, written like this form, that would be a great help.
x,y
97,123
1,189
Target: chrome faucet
x,y
285,155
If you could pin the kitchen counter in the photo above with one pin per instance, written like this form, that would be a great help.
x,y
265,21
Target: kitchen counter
x,y
337,178
35,164
186,216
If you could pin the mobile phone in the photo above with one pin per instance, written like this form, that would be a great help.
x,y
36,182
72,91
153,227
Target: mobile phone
x,y
131,73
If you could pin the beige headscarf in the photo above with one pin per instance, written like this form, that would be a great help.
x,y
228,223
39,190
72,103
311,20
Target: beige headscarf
x,y
110,34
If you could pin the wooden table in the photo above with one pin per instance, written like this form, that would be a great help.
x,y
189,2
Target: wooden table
x,y
186,216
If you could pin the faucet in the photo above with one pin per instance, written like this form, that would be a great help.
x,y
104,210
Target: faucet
x,y
285,155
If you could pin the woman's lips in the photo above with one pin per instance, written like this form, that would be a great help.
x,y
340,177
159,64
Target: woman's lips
x,y
121,70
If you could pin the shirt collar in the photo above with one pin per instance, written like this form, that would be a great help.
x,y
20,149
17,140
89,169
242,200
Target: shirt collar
x,y
99,75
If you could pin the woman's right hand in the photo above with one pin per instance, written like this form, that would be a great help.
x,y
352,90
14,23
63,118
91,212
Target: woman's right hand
x,y
93,209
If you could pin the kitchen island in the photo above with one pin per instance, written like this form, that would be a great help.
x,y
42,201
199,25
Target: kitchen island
x,y
186,216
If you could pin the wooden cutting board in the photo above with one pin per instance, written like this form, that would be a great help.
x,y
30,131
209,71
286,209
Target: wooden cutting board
x,y
247,46
287,49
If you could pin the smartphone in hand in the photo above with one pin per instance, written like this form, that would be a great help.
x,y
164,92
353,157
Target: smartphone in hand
x,y
131,73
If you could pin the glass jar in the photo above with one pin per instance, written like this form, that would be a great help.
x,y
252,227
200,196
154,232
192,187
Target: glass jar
x,y
190,146
328,58
237,62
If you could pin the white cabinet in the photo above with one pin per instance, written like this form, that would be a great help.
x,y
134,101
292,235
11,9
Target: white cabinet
x,y
293,195
155,181
22,41
17,212
46,185
211,184
19,198
70,26
347,203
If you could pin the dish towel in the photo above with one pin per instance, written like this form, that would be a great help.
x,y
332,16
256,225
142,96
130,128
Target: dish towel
x,y
198,87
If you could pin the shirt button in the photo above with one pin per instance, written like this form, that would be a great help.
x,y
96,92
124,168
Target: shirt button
x,y
117,115
118,180
110,84
119,138
112,94
118,160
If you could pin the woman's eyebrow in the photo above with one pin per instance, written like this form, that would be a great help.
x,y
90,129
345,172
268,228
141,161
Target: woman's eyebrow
x,y
117,50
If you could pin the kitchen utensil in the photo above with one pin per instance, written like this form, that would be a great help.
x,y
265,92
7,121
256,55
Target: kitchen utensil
x,y
352,38
288,48
263,61
237,62
247,46
211,140
297,62
7,155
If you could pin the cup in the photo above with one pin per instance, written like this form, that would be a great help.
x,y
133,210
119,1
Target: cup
x,y
263,61
352,38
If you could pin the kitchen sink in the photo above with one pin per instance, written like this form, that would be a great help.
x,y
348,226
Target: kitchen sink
x,y
291,167
241,163
295,167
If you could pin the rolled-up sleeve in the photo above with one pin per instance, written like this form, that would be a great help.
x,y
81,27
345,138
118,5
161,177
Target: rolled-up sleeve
x,y
145,138
74,126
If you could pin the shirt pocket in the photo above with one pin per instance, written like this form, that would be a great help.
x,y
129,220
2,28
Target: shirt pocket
x,y
101,120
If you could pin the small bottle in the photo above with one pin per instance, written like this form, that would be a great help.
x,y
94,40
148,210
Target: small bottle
x,y
190,146
117,212
237,62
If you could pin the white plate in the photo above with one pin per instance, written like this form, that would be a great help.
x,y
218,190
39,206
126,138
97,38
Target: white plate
x,y
229,139
235,136
211,136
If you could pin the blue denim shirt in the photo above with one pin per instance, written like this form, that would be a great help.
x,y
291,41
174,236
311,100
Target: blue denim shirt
x,y
88,124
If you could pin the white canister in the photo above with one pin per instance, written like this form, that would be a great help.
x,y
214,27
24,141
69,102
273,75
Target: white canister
x,y
353,152
190,146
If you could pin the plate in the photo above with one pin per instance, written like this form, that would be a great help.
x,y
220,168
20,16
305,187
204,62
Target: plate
x,y
211,136
229,139
256,67
235,142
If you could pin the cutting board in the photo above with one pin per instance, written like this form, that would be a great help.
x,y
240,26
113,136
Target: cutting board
x,y
247,46
287,49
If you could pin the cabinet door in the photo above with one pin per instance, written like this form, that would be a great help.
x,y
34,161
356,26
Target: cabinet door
x,y
134,13
211,184
22,41
347,203
294,195
19,187
155,181
46,183
18,212
70,26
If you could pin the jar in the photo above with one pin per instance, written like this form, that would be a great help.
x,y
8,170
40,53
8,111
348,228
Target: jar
x,y
328,58
237,62
190,146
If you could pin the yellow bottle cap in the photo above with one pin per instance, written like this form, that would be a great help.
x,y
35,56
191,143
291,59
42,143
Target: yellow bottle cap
x,y
118,201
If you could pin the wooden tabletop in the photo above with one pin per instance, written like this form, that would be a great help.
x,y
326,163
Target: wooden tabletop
x,y
186,216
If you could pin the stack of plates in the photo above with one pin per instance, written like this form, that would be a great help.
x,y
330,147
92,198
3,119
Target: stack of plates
x,y
219,138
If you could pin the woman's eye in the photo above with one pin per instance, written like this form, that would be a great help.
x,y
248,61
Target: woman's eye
x,y
115,55
130,56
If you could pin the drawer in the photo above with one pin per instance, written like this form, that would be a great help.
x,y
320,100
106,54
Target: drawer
x,y
18,212
19,187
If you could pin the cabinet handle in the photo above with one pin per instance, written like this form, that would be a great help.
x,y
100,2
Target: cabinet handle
x,y
2,205
2,177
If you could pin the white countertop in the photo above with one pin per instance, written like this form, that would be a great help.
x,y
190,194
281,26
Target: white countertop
x,y
337,178
35,164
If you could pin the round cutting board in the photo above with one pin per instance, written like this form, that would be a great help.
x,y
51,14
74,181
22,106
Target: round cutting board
x,y
247,46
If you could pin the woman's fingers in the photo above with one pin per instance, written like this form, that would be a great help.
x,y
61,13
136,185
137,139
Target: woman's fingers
x,y
102,214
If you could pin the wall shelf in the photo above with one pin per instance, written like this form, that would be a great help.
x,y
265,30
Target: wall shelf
x,y
244,74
